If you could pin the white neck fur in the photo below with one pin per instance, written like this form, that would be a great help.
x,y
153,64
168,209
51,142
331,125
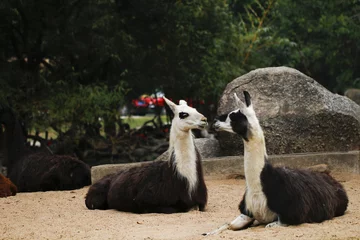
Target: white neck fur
x,y
254,156
182,143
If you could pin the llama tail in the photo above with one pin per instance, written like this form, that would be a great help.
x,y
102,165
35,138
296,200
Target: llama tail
x,y
96,198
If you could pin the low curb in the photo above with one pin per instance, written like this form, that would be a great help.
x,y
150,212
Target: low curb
x,y
231,166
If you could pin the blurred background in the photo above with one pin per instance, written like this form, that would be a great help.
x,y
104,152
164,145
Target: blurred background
x,y
86,77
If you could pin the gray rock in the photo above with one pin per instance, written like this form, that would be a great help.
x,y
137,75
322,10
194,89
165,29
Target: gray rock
x,y
140,152
208,148
296,113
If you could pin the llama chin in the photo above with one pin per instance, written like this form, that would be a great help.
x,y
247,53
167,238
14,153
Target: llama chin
x,y
176,185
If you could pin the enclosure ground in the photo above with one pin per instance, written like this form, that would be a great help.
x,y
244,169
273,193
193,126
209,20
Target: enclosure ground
x,y
63,215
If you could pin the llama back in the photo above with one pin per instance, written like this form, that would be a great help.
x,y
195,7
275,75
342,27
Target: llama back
x,y
299,196
145,188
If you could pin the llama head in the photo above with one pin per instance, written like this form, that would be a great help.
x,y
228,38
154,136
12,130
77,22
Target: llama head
x,y
185,117
242,121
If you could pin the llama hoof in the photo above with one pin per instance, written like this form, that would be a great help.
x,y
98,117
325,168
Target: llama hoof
x,y
275,224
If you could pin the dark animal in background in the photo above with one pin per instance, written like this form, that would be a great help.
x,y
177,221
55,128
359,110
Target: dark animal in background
x,y
7,188
277,196
170,186
39,171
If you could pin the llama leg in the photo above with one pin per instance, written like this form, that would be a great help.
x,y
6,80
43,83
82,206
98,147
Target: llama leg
x,y
245,219
241,222
218,230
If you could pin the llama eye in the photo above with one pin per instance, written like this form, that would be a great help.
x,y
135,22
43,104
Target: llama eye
x,y
183,115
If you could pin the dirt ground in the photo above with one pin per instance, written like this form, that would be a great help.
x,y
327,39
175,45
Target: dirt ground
x,y
63,215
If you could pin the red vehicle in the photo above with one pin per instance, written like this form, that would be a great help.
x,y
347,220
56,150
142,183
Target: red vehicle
x,y
146,101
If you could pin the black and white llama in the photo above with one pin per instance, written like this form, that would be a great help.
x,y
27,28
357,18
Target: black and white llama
x,y
38,171
277,196
170,186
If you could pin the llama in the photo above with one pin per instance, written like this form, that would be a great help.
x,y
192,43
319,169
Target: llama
x,y
39,171
277,196
7,188
168,187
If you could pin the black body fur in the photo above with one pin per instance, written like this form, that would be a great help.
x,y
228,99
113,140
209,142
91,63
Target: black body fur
x,y
40,171
150,188
302,196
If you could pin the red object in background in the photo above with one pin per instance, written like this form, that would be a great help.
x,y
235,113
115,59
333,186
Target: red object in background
x,y
145,101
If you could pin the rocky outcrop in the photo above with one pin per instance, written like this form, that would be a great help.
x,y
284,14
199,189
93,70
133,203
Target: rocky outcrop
x,y
207,147
297,113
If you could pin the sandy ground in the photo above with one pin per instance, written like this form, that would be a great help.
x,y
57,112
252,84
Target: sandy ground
x,y
63,215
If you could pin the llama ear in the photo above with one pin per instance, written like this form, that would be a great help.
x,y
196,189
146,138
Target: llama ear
x,y
247,98
183,102
170,104
239,103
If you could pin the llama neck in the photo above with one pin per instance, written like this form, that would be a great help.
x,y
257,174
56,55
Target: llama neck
x,y
182,143
254,159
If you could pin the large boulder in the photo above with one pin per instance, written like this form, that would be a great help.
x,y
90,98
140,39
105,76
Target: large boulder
x,y
297,113
208,148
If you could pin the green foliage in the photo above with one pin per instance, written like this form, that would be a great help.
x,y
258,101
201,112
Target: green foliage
x,y
327,36
58,63
74,61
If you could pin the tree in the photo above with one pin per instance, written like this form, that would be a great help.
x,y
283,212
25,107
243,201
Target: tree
x,y
57,62
326,34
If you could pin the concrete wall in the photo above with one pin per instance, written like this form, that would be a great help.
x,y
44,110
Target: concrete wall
x,y
231,166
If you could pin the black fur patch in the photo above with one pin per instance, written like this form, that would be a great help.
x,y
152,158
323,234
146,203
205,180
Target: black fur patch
x,y
222,118
302,196
151,187
239,124
247,98
243,209
183,115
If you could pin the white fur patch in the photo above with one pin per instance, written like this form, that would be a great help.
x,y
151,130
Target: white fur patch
x,y
182,142
254,161
185,158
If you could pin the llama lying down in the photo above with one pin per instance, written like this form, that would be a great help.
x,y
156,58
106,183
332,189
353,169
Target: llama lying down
x,y
170,186
277,196
38,171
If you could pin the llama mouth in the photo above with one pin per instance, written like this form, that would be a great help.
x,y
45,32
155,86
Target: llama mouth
x,y
203,125
216,126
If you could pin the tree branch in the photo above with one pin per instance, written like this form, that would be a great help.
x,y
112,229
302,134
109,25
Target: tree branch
x,y
271,2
